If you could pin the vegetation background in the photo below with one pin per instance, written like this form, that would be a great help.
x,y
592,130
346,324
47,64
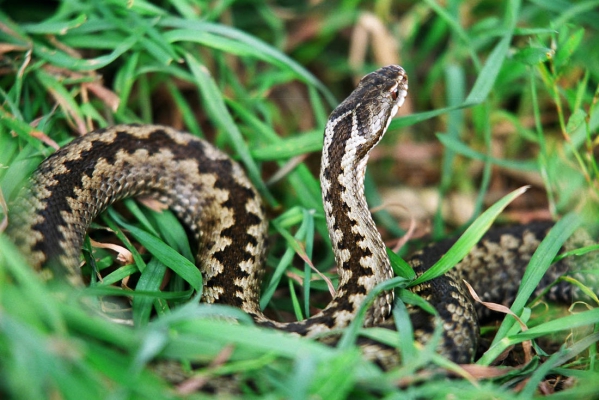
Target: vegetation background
x,y
502,94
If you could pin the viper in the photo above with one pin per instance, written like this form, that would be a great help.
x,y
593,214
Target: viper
x,y
212,196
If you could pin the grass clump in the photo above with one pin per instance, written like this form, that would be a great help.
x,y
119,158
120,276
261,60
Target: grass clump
x,y
509,90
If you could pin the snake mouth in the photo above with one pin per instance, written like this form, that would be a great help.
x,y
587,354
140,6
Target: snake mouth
x,y
402,94
399,88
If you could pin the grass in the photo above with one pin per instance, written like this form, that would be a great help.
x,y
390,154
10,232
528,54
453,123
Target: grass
x,y
509,90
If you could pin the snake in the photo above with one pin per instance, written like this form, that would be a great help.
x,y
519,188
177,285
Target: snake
x,y
224,213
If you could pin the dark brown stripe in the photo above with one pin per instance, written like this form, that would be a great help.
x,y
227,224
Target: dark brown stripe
x,y
56,204
340,212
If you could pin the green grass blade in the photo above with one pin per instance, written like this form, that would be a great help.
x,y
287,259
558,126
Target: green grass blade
x,y
569,322
468,239
215,106
538,265
175,261
54,27
273,55
150,280
461,148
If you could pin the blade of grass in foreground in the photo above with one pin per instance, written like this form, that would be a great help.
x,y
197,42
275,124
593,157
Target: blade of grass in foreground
x,y
573,321
349,335
468,239
31,287
538,265
149,280
175,261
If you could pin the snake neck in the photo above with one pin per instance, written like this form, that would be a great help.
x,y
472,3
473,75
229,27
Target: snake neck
x,y
360,253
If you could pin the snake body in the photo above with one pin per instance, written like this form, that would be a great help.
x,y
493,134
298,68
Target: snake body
x,y
213,197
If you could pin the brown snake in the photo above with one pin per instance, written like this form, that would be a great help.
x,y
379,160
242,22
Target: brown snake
x,y
212,196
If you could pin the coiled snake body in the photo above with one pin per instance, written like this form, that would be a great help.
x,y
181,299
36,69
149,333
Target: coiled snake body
x,y
212,196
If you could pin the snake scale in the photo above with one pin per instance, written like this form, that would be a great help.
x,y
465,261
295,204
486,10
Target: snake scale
x,y
213,197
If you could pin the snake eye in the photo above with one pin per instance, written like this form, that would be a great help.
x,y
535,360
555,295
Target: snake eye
x,y
394,92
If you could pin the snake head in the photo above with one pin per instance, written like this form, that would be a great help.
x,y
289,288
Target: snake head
x,y
378,97
362,119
